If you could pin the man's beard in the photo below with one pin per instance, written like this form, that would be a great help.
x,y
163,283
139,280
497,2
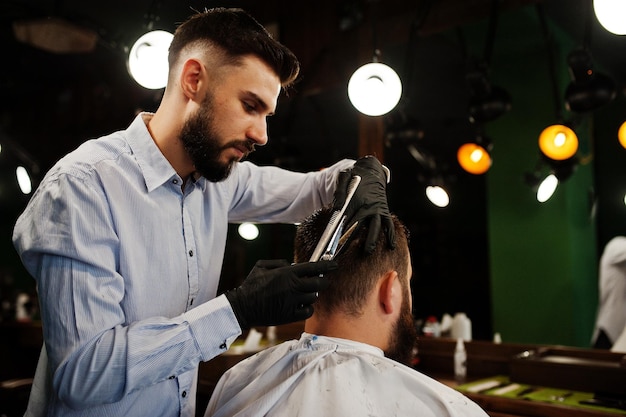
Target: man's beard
x,y
202,144
403,337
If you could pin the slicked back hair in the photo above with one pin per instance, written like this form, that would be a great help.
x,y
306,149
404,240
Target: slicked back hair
x,y
357,273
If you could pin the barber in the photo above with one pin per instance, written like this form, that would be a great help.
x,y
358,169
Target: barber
x,y
125,236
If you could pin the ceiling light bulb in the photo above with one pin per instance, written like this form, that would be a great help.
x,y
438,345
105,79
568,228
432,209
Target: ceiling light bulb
x,y
558,142
374,89
473,158
437,195
610,14
147,60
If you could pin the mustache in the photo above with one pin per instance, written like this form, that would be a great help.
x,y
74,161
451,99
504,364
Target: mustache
x,y
246,144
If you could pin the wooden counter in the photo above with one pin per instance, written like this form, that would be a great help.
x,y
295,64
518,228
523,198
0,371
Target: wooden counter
x,y
486,359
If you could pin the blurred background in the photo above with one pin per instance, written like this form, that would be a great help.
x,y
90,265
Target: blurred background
x,y
492,72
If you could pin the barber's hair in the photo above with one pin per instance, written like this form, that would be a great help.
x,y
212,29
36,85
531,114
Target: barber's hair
x,y
236,34
357,273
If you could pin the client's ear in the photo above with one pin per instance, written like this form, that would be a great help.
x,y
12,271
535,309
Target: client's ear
x,y
390,293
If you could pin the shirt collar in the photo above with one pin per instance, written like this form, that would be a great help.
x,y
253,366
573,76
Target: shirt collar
x,y
155,167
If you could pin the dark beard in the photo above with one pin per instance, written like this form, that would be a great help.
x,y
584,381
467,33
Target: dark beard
x,y
202,144
403,336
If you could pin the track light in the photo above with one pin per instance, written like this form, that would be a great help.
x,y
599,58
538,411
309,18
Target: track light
x,y
437,195
547,187
589,89
147,60
558,142
545,183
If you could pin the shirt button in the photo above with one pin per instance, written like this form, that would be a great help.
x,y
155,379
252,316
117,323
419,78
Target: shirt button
x,y
172,377
184,394
191,253
175,181
223,345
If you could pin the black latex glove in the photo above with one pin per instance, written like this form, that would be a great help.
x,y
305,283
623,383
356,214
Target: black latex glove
x,y
369,202
276,292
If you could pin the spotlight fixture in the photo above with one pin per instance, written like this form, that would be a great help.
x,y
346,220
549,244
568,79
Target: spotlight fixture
x,y
437,195
545,183
374,89
558,142
547,187
147,60
475,157
18,174
610,14
588,89
431,176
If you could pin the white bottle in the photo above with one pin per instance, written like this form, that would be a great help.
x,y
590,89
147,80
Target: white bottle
x,y
460,361
461,327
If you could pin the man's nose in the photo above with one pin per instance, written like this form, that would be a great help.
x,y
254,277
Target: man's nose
x,y
257,132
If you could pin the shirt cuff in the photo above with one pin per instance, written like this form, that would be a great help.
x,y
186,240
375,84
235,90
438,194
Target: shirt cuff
x,y
213,326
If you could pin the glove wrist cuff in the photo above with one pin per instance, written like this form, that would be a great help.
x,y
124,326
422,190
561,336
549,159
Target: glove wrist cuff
x,y
233,299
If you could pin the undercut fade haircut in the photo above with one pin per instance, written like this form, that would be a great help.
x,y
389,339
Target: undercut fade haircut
x,y
236,34
357,273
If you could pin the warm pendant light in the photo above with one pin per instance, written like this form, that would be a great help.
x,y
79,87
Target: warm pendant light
x,y
473,158
621,134
558,142
374,89
147,60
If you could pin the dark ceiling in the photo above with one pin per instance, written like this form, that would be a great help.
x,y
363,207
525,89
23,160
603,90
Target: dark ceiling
x,y
52,102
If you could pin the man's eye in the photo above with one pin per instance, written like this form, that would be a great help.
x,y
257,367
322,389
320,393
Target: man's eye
x,y
248,107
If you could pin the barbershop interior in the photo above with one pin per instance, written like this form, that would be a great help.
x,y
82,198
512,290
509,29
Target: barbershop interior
x,y
503,125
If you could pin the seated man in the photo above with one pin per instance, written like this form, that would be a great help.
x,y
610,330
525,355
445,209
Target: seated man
x,y
346,361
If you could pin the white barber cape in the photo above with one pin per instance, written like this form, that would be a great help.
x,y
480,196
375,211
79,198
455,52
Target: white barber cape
x,y
322,376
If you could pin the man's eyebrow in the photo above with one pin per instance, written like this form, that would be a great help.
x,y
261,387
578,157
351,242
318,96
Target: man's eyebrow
x,y
260,102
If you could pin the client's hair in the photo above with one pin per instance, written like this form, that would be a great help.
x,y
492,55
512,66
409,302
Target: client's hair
x,y
357,273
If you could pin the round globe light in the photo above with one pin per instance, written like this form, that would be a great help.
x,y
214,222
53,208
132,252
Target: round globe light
x,y
374,89
610,14
147,60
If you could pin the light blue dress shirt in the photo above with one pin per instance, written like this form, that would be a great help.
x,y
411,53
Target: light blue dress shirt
x,y
127,265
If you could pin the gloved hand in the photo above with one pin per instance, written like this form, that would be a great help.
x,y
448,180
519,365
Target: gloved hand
x,y
276,292
368,202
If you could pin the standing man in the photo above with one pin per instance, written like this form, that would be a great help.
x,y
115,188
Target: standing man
x,y
125,236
